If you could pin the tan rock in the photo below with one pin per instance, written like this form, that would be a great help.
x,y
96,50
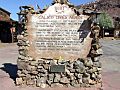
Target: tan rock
x,y
19,81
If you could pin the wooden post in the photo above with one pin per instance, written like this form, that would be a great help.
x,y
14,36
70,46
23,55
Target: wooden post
x,y
12,37
12,32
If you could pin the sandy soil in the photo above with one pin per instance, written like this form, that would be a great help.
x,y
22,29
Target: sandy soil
x,y
110,64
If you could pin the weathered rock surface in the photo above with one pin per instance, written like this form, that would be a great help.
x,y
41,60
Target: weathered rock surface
x,y
79,71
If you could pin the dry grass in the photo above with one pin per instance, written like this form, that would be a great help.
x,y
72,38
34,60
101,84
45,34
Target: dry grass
x,y
2,45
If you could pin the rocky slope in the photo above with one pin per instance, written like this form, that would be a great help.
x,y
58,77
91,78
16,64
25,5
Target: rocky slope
x,y
112,7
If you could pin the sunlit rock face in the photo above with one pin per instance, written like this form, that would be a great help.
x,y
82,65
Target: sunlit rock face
x,y
56,33
53,51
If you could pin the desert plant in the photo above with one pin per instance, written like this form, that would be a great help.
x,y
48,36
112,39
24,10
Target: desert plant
x,y
105,20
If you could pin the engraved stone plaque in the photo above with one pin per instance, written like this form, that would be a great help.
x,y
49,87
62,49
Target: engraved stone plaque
x,y
56,34
57,68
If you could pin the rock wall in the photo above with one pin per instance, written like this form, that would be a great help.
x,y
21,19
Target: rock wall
x,y
42,72
79,73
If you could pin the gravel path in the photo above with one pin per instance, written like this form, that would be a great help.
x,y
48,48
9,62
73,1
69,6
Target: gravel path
x,y
111,57
8,54
110,64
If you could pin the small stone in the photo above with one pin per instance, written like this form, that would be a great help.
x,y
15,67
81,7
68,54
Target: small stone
x,y
96,46
41,81
21,48
46,66
72,70
21,43
21,57
92,82
21,74
72,77
86,75
68,85
93,76
97,64
67,65
80,81
89,63
33,76
80,70
30,82
34,63
51,77
96,59
89,71
40,61
48,61
81,60
85,80
44,62
34,72
93,53
71,65
25,39
30,58
28,77
43,74
99,69
78,64
49,82
40,67
74,83
57,78
64,80
79,76
99,76
94,69
68,72
70,61
23,52
31,68
42,70
25,72
20,37
24,80
43,85
22,65
77,85
27,42
99,51
56,85
19,81
53,63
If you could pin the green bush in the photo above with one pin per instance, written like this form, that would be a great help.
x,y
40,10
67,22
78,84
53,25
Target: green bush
x,y
105,21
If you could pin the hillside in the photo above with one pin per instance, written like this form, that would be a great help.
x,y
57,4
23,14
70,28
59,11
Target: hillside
x,y
112,7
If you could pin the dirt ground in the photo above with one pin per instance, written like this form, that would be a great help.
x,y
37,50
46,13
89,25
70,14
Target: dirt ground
x,y
110,64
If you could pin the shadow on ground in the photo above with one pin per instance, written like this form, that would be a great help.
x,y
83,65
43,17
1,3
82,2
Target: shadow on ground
x,y
11,69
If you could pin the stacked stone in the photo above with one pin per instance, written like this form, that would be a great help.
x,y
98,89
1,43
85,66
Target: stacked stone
x,y
80,73
23,44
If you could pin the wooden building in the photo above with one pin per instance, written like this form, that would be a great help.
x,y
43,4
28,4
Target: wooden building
x,y
117,27
6,26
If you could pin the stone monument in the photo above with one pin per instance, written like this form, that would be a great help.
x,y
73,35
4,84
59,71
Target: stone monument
x,y
55,50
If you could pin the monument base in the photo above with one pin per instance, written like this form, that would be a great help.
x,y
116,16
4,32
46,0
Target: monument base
x,y
57,49
54,73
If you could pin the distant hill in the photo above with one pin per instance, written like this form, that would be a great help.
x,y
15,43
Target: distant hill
x,y
112,7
